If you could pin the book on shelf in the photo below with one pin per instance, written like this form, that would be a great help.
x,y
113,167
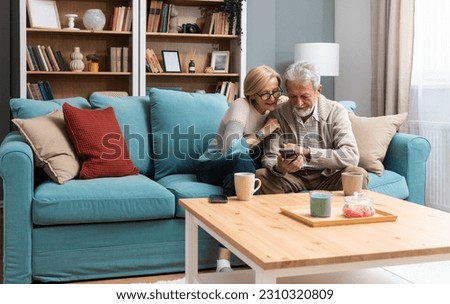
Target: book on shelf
x,y
61,62
154,15
44,58
128,18
159,16
209,24
124,60
40,90
229,89
164,19
153,62
121,18
39,60
30,62
218,23
52,58
118,59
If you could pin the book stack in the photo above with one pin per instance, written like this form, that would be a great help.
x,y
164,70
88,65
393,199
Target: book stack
x,y
45,58
118,59
158,16
121,19
152,62
228,88
40,90
218,24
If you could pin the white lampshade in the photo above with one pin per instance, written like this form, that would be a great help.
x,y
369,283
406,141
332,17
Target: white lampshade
x,y
325,56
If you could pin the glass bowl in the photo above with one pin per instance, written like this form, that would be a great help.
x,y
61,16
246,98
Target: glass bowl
x,y
358,205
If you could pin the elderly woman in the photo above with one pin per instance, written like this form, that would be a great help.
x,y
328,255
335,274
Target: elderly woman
x,y
237,146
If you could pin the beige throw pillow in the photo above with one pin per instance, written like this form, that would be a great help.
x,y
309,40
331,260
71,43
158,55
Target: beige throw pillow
x,y
52,147
373,135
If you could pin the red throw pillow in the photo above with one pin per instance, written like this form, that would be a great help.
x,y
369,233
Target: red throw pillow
x,y
99,142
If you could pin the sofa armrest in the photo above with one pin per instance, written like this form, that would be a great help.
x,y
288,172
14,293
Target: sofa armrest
x,y
17,172
407,155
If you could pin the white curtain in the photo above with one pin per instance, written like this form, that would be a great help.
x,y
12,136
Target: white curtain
x,y
429,109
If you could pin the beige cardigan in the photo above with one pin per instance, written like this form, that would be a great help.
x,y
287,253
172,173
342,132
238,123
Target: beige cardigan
x,y
339,149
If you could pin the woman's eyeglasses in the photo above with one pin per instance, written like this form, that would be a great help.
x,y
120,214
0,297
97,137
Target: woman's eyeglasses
x,y
266,96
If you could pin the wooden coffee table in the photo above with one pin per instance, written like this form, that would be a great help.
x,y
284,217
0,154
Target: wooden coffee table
x,y
274,245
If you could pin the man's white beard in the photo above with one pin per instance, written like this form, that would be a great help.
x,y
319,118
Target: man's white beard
x,y
303,112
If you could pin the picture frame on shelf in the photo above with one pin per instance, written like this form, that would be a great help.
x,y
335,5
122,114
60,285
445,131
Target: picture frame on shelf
x,y
43,14
171,61
220,61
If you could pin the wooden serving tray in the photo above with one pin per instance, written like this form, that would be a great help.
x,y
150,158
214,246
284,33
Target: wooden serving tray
x,y
337,218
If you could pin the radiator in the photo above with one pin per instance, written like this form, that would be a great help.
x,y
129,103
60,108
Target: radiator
x,y
438,165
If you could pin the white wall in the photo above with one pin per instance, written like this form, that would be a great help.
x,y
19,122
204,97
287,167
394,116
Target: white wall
x,y
352,32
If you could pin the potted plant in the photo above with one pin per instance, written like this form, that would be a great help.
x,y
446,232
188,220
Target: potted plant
x,y
92,62
234,9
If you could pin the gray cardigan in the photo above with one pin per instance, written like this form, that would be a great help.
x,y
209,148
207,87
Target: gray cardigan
x,y
339,148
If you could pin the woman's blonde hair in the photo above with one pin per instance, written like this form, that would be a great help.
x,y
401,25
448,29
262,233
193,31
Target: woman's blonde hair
x,y
257,78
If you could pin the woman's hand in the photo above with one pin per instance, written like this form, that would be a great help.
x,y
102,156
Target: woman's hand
x,y
271,126
283,98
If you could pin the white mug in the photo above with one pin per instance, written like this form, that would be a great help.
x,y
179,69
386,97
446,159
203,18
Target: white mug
x,y
244,183
351,183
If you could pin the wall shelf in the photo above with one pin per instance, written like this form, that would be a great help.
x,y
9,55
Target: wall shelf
x,y
136,80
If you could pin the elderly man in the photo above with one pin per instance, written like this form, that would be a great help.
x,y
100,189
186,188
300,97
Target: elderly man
x,y
319,134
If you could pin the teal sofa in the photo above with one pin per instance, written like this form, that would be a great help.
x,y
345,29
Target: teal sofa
x,y
131,226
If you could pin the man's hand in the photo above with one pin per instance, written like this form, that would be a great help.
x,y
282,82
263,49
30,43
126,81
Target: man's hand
x,y
289,165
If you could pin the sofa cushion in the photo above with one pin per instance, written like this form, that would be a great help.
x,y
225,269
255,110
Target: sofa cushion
x,y
52,147
373,135
133,115
182,124
99,142
390,183
186,186
29,108
111,199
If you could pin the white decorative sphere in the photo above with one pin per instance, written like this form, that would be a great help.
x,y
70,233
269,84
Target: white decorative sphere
x,y
94,19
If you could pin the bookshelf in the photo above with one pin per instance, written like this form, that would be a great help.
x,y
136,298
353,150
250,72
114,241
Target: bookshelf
x,y
138,39
67,83
196,46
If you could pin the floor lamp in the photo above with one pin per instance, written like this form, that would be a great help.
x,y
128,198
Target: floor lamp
x,y
325,56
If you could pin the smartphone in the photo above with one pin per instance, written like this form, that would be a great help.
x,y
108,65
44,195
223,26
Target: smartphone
x,y
288,153
218,199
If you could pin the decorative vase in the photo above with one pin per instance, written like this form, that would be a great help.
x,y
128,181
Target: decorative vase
x,y
77,64
94,19
71,22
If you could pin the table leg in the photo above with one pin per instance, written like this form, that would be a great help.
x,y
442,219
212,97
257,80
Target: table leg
x,y
191,248
265,277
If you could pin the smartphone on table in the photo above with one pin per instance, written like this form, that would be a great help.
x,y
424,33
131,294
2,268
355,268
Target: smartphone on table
x,y
218,199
